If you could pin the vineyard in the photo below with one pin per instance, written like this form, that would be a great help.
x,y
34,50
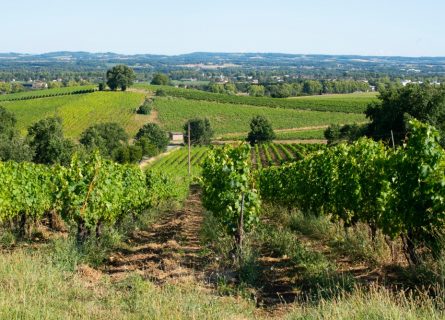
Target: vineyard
x,y
229,118
46,93
345,103
78,112
89,193
399,193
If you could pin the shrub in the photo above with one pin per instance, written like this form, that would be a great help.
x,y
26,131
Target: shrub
x,y
260,130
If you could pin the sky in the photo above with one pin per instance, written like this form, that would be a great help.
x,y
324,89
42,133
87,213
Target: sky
x,y
377,27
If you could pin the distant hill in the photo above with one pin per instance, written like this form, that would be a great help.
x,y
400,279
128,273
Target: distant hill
x,y
241,59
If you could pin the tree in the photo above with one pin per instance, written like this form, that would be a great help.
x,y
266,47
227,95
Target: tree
x,y
7,123
106,137
200,131
160,79
280,90
256,91
47,140
398,105
12,146
120,76
127,154
312,87
148,148
260,130
155,135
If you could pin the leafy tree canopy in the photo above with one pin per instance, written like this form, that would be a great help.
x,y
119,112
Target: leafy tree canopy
x,y
200,131
155,135
260,130
398,105
120,76
160,79
47,140
106,137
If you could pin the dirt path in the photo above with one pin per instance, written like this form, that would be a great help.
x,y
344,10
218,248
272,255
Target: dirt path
x,y
169,251
144,163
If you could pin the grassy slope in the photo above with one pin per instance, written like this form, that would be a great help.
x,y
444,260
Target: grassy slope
x,y
80,111
226,118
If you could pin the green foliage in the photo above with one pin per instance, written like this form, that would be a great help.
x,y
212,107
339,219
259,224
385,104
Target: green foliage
x,y
148,149
47,140
120,76
260,130
160,79
154,134
145,108
349,103
256,91
280,90
106,137
226,178
201,132
12,147
398,104
415,192
399,192
128,154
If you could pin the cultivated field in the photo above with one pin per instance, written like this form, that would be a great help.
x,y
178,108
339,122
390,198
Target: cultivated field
x,y
350,103
81,111
229,118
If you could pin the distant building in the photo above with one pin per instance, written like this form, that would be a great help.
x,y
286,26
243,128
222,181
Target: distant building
x,y
39,85
176,137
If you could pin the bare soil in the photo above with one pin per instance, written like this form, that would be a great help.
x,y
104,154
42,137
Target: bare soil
x,y
169,251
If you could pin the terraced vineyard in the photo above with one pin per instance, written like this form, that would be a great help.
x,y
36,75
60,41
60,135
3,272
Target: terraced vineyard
x,y
80,111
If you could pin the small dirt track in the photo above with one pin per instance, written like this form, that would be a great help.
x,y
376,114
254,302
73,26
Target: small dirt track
x,y
169,251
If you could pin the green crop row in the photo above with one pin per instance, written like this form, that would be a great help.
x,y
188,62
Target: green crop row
x,y
349,103
45,93
233,118
78,112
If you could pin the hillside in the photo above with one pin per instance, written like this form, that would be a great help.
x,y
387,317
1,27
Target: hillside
x,y
232,118
80,111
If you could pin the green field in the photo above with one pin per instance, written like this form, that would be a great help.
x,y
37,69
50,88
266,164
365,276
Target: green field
x,y
81,111
350,103
45,93
230,118
316,134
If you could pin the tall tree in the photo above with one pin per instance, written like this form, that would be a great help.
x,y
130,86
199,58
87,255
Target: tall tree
x,y
120,76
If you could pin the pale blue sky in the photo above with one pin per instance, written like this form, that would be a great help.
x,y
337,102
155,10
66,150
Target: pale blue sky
x,y
376,27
